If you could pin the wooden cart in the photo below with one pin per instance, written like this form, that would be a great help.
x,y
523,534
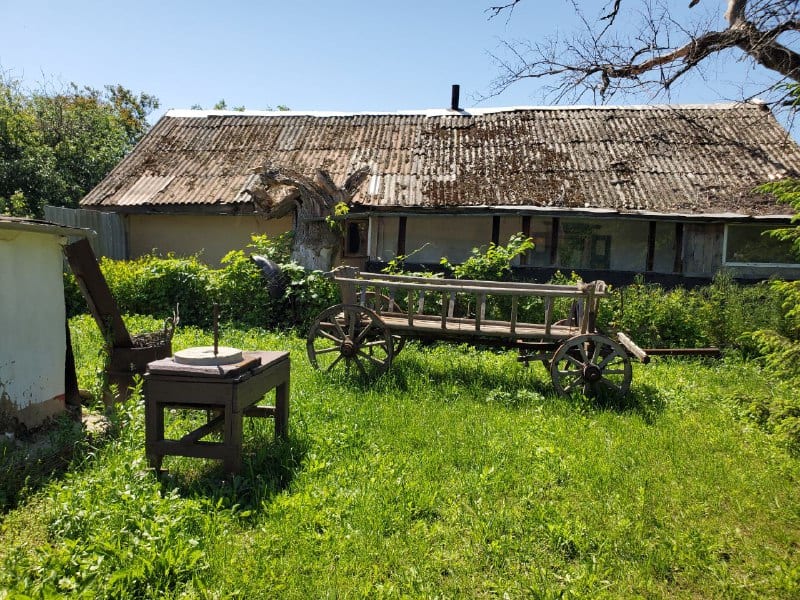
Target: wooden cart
x,y
379,312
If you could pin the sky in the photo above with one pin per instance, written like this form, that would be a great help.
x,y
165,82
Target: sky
x,y
326,55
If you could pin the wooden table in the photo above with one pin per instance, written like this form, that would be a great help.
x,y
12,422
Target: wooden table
x,y
227,393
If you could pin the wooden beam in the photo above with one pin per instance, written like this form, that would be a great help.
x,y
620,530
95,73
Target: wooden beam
x,y
651,247
401,236
526,231
678,264
556,225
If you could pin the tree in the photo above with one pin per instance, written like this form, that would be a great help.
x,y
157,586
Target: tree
x,y
56,146
317,237
658,50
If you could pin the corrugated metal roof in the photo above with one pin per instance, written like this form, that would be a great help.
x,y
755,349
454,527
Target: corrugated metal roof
x,y
697,158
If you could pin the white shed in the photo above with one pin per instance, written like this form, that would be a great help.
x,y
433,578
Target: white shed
x,y
32,321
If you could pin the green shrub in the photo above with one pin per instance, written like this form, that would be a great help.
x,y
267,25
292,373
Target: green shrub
x,y
154,285
244,298
653,316
492,263
242,294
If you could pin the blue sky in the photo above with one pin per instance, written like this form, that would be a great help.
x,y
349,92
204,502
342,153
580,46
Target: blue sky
x,y
345,55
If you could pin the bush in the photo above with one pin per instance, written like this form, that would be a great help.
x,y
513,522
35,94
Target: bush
x,y
153,285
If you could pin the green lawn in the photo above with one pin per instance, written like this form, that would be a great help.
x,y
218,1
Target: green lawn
x,y
458,474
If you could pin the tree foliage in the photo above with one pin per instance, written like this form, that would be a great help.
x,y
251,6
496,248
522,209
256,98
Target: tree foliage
x,y
56,146
636,45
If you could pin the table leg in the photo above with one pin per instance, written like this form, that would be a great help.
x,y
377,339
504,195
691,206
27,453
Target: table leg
x,y
232,460
282,410
154,430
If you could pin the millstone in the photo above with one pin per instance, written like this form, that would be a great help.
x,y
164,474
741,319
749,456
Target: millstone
x,y
204,356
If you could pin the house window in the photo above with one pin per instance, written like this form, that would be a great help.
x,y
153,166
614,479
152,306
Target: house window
x,y
605,244
355,238
751,245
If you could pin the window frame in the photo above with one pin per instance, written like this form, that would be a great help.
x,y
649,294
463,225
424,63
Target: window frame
x,y
727,263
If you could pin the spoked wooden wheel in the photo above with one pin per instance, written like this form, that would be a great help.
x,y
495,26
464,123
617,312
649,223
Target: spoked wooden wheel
x,y
351,338
591,364
382,303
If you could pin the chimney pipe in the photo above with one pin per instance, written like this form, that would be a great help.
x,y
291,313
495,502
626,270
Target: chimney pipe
x,y
454,98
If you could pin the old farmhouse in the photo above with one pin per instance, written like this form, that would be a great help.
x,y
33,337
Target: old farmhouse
x,y
607,191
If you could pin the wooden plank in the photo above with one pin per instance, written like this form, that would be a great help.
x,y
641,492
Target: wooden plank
x,y
470,287
480,314
410,307
260,412
98,296
677,266
587,311
548,315
401,236
445,309
651,247
213,425
514,306
554,229
526,231
631,347
386,279
457,328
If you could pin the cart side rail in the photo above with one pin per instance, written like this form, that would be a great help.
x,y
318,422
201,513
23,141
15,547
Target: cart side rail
x,y
356,286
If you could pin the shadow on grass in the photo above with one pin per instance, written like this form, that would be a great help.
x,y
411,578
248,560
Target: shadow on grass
x,y
643,400
268,467
32,460
492,375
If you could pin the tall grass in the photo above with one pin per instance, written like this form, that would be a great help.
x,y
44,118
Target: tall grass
x,y
458,474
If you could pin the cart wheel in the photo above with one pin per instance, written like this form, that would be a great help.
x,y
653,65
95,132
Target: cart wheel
x,y
352,338
381,303
592,364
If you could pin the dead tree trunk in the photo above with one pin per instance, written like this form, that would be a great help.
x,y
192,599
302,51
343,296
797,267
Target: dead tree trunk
x,y
317,238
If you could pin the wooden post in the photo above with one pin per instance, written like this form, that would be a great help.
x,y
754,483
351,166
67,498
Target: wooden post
x,y
678,265
496,230
526,231
587,308
556,225
514,306
480,300
401,236
548,314
651,247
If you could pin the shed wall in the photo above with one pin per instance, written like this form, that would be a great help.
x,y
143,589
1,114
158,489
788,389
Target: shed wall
x,y
32,318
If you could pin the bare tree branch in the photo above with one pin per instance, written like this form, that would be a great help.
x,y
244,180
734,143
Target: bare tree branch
x,y
604,58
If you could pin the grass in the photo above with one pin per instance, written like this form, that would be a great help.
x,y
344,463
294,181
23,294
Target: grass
x,y
457,474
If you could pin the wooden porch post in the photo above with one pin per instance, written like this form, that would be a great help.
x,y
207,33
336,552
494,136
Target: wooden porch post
x,y
651,247
554,240
401,237
526,231
678,265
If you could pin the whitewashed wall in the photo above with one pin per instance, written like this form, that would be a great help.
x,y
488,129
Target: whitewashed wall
x,y
212,235
32,317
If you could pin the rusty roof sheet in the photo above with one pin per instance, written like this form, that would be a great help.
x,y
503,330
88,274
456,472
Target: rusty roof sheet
x,y
665,159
